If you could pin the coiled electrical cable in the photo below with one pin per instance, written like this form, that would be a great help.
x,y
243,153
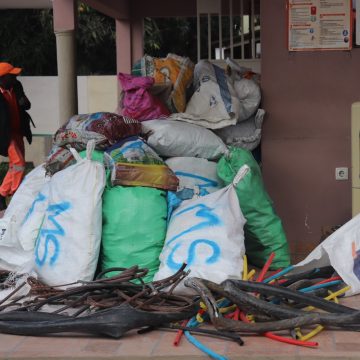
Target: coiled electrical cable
x,y
279,291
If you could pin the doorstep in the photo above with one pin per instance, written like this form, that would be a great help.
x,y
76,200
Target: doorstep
x,y
158,345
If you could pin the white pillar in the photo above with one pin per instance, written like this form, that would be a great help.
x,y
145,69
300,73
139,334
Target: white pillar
x,y
66,64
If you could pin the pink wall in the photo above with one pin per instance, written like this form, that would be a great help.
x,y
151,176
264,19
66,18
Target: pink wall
x,y
308,98
64,15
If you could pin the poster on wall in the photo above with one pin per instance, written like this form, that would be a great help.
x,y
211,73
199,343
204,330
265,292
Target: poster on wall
x,y
319,25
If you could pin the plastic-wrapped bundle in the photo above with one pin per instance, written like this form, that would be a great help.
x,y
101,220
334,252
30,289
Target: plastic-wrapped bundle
x,y
103,127
134,163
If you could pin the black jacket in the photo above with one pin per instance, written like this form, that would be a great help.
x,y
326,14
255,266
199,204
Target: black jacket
x,y
24,104
25,118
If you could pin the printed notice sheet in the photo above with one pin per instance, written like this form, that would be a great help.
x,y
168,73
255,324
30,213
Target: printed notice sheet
x,y
319,25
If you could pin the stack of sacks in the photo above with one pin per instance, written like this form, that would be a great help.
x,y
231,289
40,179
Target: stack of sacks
x,y
246,133
166,187
205,227
226,102
203,215
134,206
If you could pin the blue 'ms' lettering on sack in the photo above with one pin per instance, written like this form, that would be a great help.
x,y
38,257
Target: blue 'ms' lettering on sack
x,y
39,198
192,252
49,236
203,212
207,182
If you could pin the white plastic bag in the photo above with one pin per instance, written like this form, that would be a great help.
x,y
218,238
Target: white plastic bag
x,y
68,243
24,208
341,250
206,234
195,174
175,138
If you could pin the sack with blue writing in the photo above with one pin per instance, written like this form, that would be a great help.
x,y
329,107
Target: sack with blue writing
x,y
68,243
27,208
197,177
195,174
207,234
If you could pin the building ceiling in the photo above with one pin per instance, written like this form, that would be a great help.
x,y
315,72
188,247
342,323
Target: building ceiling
x,y
25,4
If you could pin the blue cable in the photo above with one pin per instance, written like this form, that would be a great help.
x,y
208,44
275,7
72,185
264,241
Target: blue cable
x,y
280,273
193,323
320,286
203,348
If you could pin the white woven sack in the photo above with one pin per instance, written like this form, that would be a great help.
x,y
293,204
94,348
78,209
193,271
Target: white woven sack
x,y
196,174
68,243
214,104
27,207
248,92
7,231
12,257
171,138
206,234
246,134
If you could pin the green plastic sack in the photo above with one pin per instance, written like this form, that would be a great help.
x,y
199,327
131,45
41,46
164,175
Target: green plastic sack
x,y
134,228
264,232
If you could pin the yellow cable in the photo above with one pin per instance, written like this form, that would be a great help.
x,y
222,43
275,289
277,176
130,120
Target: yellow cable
x,y
245,268
311,334
331,296
298,333
227,309
199,318
251,274
336,300
250,317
